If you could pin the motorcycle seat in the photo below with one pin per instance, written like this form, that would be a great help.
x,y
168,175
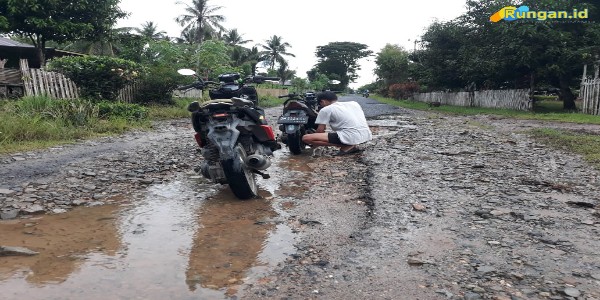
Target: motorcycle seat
x,y
242,102
217,103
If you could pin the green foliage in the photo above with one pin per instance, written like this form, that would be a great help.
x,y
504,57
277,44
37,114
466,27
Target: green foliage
x,y
36,122
128,111
273,51
71,112
472,51
59,20
98,77
392,64
341,59
213,59
157,86
269,101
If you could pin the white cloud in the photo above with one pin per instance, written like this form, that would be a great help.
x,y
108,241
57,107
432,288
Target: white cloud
x,y
311,23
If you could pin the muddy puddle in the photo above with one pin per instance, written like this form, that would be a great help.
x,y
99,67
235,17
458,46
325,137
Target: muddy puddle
x,y
185,239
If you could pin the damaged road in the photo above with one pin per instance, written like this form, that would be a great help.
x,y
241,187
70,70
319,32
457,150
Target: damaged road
x,y
435,207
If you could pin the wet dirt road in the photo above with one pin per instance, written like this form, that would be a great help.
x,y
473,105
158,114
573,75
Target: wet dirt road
x,y
184,239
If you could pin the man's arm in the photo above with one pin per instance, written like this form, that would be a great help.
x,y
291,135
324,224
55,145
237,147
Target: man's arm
x,y
321,128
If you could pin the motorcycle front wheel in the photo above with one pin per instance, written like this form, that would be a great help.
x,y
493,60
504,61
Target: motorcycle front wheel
x,y
241,179
295,143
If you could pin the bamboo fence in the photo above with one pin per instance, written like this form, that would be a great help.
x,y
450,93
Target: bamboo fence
x,y
38,82
590,94
510,99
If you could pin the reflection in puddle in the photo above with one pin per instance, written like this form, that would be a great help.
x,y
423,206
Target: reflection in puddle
x,y
184,240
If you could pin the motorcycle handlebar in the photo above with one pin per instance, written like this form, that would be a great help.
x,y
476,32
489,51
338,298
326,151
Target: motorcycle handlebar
x,y
289,96
190,86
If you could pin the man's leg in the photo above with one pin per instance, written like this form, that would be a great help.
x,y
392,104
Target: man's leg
x,y
322,139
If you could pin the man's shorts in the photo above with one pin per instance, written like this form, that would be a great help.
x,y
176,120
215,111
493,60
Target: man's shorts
x,y
333,138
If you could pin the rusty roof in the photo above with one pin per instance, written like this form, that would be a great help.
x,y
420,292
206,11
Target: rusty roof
x,y
10,43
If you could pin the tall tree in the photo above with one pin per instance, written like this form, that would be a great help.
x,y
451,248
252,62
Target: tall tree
x,y
201,18
392,64
59,20
341,59
149,30
274,49
515,54
233,38
284,73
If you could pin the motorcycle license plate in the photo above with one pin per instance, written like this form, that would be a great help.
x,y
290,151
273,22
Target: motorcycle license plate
x,y
292,120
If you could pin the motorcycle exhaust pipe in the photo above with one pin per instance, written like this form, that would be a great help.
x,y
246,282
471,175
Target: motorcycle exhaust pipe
x,y
258,162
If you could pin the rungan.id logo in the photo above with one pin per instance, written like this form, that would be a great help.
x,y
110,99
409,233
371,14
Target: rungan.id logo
x,y
512,13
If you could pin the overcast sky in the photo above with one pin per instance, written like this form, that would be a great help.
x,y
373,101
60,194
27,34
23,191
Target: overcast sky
x,y
306,24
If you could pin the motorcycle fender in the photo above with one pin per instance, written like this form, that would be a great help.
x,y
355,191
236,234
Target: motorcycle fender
x,y
224,136
291,128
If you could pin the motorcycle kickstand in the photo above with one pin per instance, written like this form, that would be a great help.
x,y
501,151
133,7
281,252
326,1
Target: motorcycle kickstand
x,y
264,175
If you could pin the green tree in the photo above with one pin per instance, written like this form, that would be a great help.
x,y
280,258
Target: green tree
x,y
200,18
233,38
149,31
273,51
392,64
519,54
341,59
59,20
284,73
213,59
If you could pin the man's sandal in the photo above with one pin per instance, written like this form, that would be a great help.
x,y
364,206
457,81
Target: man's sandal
x,y
350,151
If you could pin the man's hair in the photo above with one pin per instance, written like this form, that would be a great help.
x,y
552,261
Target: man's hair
x,y
326,95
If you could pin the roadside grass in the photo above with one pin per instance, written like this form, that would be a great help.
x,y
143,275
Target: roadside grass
x,y
40,122
587,145
547,110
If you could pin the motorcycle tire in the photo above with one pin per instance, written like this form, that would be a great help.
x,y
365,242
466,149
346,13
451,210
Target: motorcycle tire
x,y
241,180
295,143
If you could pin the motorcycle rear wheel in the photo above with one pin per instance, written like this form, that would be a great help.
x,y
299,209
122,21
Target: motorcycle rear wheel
x,y
241,179
295,143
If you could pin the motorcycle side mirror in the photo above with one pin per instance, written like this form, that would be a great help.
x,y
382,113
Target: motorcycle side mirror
x,y
186,72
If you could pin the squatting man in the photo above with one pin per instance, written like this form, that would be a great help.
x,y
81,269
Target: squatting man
x,y
347,121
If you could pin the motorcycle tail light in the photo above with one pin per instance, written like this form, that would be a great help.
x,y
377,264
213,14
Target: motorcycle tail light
x,y
220,115
199,140
269,131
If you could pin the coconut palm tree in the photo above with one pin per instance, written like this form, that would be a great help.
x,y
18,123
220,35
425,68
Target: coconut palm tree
x,y
105,45
200,17
149,30
274,49
233,38
284,73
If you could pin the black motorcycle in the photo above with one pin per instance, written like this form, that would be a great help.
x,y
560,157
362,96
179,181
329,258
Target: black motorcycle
x,y
231,130
298,118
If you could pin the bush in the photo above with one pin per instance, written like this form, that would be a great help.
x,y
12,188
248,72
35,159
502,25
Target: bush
x,y
134,112
156,86
98,77
403,90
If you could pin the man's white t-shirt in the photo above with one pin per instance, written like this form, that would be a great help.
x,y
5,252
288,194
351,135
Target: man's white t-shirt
x,y
348,120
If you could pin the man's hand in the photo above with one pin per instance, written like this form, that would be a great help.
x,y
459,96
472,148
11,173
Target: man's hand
x,y
321,128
